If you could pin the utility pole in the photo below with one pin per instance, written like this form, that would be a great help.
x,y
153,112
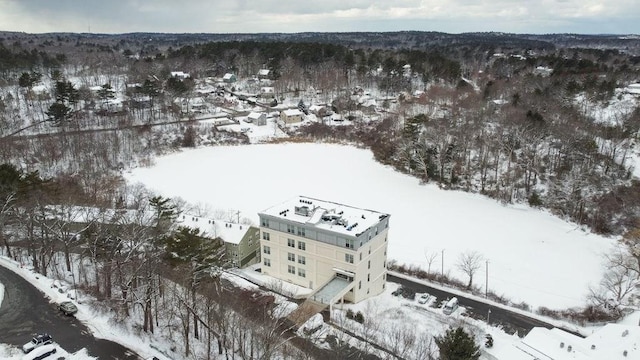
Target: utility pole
x,y
442,263
486,282
238,215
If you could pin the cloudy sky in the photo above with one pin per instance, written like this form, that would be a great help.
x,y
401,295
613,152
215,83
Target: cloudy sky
x,y
250,16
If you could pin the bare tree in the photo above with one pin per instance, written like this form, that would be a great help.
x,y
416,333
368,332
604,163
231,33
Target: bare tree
x,y
431,258
620,279
469,262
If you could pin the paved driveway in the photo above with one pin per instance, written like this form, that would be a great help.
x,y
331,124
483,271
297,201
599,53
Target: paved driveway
x,y
26,311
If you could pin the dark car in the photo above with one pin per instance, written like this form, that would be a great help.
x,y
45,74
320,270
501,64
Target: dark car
x,y
68,308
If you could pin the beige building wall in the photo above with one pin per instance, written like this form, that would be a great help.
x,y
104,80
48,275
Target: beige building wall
x,y
320,260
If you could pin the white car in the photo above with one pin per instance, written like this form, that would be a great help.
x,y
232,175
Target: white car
x,y
37,341
41,353
424,298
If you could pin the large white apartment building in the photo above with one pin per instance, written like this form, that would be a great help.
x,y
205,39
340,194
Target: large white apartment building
x,y
336,250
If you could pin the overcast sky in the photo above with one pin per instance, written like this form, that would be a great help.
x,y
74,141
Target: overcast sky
x,y
251,16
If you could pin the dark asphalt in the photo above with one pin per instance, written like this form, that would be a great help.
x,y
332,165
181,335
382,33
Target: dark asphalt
x,y
510,321
26,311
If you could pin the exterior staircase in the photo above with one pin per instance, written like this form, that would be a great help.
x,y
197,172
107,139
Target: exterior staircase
x,y
305,311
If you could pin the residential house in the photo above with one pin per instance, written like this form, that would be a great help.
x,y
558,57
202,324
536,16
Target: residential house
x,y
242,242
229,78
338,251
267,91
633,89
257,118
180,75
264,73
542,71
291,116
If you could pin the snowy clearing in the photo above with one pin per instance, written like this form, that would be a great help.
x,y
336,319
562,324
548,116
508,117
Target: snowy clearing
x,y
533,256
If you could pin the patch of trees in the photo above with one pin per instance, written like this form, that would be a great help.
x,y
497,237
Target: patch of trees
x,y
14,59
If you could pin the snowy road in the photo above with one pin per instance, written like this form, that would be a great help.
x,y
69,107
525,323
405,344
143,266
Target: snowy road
x,y
25,311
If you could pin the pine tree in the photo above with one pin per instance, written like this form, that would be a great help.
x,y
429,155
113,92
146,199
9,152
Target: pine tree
x,y
457,344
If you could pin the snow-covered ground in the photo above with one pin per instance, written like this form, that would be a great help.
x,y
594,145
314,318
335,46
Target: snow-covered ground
x,y
100,324
532,256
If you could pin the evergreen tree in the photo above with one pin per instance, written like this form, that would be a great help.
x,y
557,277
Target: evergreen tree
x,y
457,344
59,113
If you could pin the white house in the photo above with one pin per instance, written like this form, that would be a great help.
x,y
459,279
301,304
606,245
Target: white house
x,y
180,75
257,118
291,116
229,78
633,89
264,73
338,251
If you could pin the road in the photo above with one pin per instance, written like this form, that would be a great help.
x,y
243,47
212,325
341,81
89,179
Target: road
x,y
26,311
510,321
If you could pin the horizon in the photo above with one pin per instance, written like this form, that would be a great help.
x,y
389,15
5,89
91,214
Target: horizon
x,y
535,17
315,32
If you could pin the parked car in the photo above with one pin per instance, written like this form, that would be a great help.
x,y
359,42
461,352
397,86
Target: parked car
x,y
397,292
424,298
450,306
42,352
68,308
37,341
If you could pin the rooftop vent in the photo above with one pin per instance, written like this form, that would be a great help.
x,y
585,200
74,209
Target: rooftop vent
x,y
301,210
624,353
625,333
593,346
561,345
569,348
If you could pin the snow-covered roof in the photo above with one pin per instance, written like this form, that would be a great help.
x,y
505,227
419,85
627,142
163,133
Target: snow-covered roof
x,y
610,342
255,115
228,232
634,89
228,76
292,112
326,215
263,72
180,74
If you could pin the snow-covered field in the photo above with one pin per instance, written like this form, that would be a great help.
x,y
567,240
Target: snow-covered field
x,y
533,256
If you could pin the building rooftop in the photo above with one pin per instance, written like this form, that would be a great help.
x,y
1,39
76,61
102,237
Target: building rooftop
x,y
228,232
326,215
613,341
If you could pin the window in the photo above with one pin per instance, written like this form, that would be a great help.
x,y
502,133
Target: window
x,y
349,243
302,260
265,222
265,236
266,250
348,258
291,269
360,256
291,257
302,245
369,264
267,262
302,273
301,231
368,277
290,229
359,285
291,243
